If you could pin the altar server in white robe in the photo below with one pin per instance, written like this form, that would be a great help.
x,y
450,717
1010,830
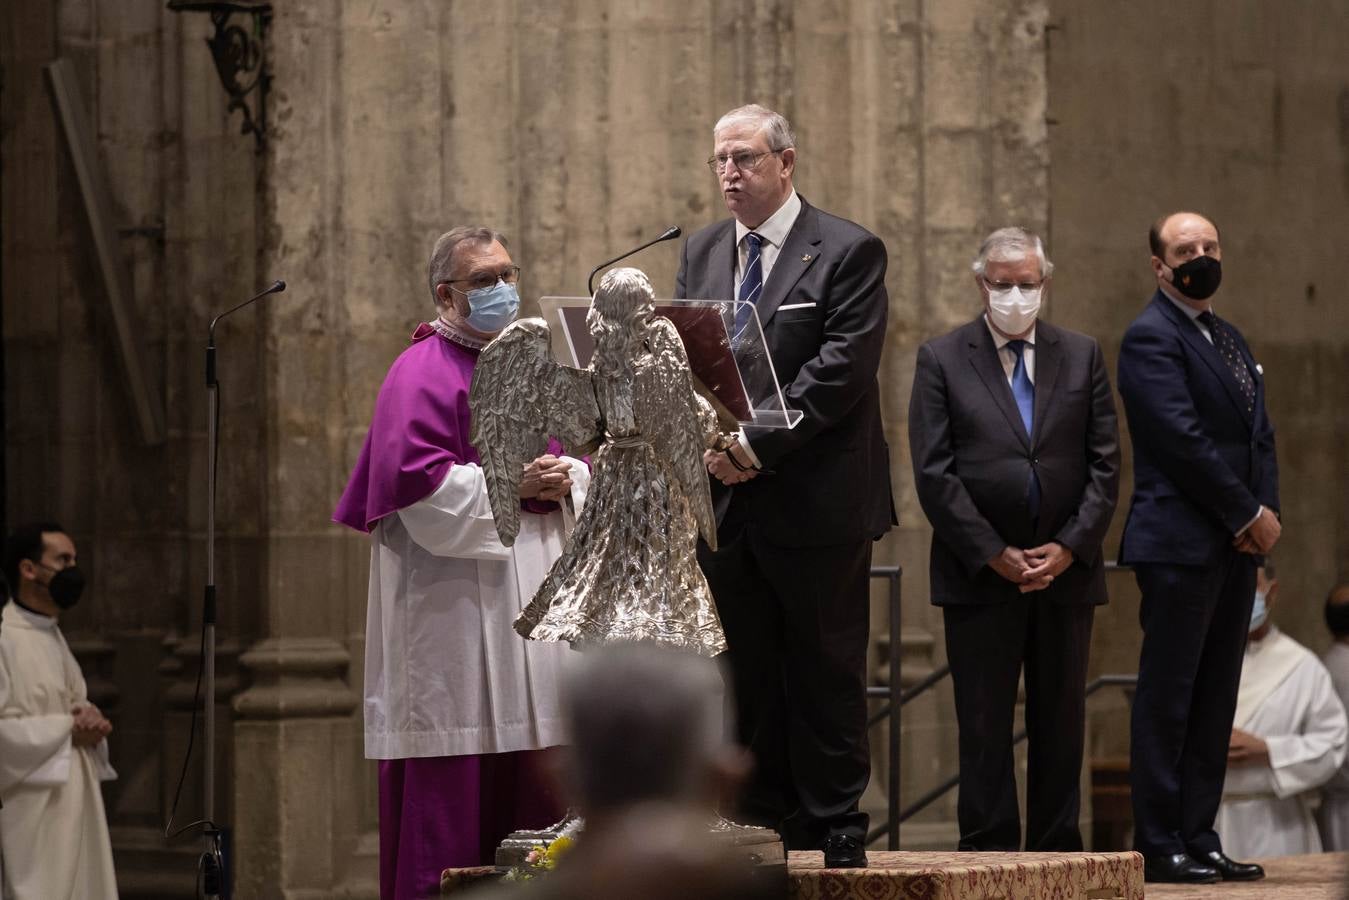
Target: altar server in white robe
x,y
1334,812
53,741
1288,739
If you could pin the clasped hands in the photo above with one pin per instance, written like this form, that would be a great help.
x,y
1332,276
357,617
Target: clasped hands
x,y
546,478
1262,535
1034,569
720,466
89,727
1246,749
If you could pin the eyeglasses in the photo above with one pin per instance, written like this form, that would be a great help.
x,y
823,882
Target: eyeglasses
x,y
744,160
1025,286
484,280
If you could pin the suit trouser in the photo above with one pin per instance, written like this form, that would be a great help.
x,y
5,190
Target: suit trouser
x,y
987,646
796,622
1195,620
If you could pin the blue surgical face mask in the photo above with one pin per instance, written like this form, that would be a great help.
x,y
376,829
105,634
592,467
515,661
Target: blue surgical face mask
x,y
1259,612
492,309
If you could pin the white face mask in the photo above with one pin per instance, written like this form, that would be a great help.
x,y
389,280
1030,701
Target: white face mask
x,y
1259,611
1012,310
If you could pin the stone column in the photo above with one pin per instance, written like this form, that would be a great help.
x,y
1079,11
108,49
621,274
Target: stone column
x,y
299,769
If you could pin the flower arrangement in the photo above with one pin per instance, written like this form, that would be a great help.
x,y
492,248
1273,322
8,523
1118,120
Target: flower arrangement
x,y
544,857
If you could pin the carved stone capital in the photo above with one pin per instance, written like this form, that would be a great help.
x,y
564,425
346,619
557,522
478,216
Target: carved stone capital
x,y
295,678
182,662
95,657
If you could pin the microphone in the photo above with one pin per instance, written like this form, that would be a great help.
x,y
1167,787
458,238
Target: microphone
x,y
275,287
669,234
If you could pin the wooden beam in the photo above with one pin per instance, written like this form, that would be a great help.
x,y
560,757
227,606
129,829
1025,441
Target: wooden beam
x,y
75,125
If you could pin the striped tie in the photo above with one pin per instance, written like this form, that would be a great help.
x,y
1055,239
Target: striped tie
x,y
752,285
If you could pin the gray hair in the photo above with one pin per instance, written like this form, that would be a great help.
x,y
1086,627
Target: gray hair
x,y
645,723
1010,245
775,127
442,256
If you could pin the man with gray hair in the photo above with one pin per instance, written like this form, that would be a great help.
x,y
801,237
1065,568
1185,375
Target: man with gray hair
x,y
647,760
797,509
1015,451
458,709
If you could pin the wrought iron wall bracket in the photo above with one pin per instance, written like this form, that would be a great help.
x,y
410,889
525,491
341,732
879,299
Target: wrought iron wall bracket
x,y
240,57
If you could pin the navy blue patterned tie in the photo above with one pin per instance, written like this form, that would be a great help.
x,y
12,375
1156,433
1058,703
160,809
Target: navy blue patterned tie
x,y
752,284
1024,392
1226,343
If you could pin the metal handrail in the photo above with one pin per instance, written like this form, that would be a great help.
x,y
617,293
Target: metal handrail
x,y
898,697
945,787
893,574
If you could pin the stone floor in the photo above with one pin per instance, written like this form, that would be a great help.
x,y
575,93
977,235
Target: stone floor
x,y
1323,876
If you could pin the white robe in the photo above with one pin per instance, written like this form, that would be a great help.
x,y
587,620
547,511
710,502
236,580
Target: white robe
x,y
1290,702
1334,812
53,831
445,672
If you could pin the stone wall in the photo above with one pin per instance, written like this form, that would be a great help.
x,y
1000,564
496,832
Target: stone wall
x,y
578,128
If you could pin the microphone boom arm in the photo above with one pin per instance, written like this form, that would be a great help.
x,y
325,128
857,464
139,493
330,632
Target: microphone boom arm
x,y
669,234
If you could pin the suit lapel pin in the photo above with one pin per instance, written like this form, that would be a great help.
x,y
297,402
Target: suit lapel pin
x,y
806,258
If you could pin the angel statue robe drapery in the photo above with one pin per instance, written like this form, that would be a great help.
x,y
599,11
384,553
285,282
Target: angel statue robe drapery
x,y
630,570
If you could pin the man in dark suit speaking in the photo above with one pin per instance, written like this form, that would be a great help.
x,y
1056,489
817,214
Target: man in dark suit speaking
x,y
798,509
1016,462
1205,506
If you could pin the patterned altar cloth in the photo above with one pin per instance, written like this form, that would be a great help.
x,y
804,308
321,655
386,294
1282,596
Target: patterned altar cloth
x,y
923,875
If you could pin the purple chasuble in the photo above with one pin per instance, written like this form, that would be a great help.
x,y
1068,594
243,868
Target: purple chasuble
x,y
420,428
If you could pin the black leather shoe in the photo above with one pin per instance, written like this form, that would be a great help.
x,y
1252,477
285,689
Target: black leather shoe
x,y
1229,869
843,851
1178,868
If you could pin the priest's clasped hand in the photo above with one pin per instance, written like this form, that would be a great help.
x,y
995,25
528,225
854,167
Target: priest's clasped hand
x,y
89,726
1246,749
546,478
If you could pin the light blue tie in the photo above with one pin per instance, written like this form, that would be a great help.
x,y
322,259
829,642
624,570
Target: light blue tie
x,y
1024,392
752,284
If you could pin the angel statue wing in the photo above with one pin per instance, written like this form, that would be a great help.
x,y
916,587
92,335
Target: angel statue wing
x,y
677,422
520,396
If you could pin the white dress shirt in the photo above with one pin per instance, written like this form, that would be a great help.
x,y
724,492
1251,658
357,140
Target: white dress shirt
x,y
1007,356
1193,313
774,232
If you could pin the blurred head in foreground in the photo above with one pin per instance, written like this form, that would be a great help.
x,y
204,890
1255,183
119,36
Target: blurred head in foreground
x,y
646,724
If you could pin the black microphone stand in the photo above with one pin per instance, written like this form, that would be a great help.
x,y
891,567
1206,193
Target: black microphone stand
x,y
669,233
212,873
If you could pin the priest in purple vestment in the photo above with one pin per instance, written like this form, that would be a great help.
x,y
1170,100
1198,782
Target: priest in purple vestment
x,y
459,709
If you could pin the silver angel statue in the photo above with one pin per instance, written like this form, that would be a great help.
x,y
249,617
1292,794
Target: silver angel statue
x,y
630,570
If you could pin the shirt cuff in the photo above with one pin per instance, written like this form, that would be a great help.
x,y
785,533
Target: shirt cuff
x,y
754,457
1242,530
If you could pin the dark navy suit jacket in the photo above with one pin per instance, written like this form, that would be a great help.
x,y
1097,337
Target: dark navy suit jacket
x,y
1203,464
824,309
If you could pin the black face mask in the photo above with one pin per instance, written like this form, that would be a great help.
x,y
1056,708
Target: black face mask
x,y
1198,278
1337,618
66,586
